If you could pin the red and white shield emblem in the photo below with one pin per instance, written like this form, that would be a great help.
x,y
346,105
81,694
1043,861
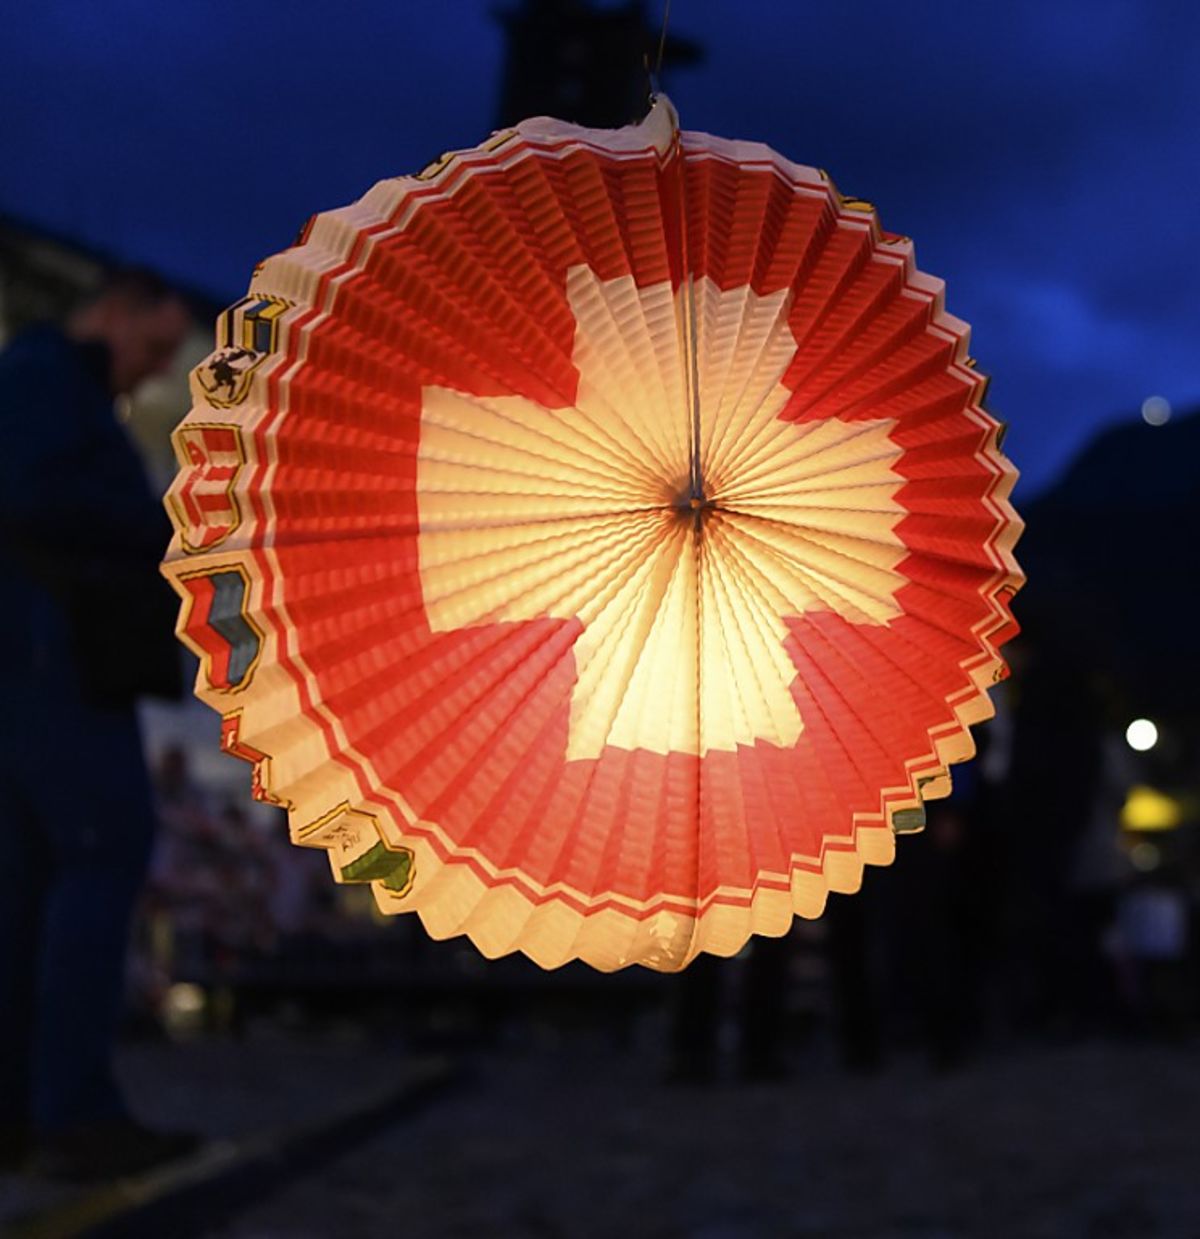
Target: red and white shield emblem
x,y
203,501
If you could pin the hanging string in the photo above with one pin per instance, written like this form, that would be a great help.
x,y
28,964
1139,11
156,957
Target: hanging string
x,y
655,73
662,39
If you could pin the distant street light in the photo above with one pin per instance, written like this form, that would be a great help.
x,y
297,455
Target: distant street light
x,y
1141,735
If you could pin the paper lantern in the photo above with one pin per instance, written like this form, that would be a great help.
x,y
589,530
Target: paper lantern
x,y
596,541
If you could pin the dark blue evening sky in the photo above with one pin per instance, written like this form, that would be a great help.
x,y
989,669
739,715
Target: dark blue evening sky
x,y
1045,156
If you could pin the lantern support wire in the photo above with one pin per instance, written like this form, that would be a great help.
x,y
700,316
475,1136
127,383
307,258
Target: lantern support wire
x,y
697,501
695,471
662,41
653,73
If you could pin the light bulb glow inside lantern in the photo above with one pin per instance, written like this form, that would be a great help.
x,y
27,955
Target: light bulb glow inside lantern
x,y
1141,735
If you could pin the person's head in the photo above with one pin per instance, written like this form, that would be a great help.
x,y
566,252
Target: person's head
x,y
173,774
141,319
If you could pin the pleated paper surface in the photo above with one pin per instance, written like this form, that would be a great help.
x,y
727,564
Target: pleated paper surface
x,y
596,541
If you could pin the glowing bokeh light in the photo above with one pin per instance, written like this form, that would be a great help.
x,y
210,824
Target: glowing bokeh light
x,y
1148,809
1141,735
1156,411
183,998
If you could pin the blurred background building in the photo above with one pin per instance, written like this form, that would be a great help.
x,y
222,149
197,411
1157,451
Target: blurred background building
x,y
583,62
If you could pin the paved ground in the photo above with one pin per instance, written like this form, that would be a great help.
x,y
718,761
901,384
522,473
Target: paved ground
x,y
1097,1141
577,1138
259,1101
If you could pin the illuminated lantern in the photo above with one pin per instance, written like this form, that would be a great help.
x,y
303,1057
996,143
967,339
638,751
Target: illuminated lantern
x,y
596,541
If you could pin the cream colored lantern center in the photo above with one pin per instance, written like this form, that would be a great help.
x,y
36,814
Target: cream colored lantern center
x,y
582,512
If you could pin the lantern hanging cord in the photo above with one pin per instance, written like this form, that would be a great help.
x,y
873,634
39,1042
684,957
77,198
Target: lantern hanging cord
x,y
655,73
662,40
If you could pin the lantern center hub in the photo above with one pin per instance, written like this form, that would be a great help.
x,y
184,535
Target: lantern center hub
x,y
695,507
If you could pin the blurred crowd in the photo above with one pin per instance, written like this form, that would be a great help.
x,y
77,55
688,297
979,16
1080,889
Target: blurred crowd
x,y
1027,906
230,900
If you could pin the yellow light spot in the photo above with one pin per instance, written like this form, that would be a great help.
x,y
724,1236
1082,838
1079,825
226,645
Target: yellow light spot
x,y
1147,809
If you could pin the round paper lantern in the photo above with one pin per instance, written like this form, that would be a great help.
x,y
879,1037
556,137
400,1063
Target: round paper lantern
x,y
596,541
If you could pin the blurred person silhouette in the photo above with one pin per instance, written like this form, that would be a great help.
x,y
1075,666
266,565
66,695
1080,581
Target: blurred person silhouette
x,y
911,955
174,783
1153,937
1051,791
940,923
856,953
696,1007
1098,870
87,625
